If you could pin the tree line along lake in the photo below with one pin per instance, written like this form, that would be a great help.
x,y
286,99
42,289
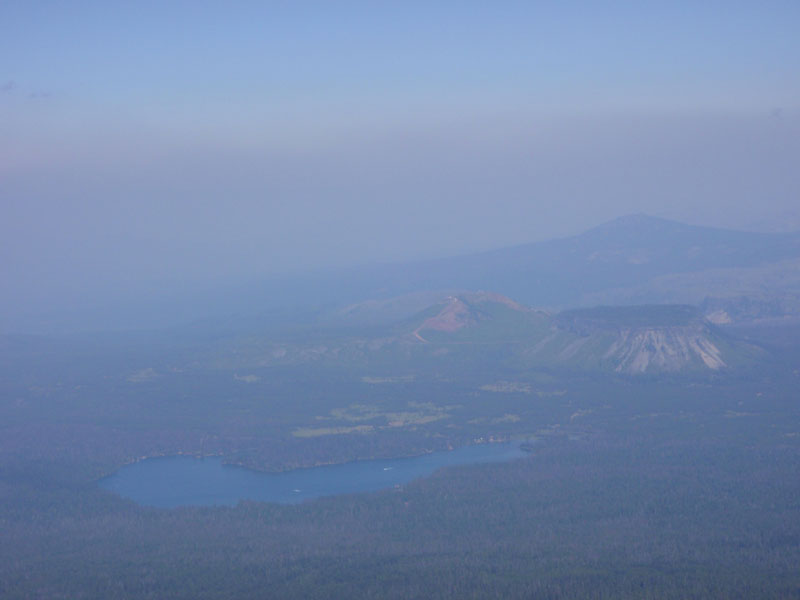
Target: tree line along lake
x,y
168,482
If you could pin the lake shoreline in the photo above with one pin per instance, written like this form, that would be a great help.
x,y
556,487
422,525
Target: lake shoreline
x,y
186,479
526,446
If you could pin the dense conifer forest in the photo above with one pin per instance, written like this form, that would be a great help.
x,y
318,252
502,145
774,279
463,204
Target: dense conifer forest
x,y
660,487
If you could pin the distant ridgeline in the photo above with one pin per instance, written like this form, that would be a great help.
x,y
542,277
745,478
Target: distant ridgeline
x,y
585,321
735,276
493,331
653,338
632,260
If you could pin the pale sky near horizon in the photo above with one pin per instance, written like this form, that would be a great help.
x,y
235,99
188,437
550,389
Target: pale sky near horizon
x,y
143,144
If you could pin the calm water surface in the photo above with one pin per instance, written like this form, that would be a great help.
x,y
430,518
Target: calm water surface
x,y
183,480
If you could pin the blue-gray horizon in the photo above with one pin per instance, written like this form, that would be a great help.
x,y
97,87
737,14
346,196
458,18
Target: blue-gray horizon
x,y
152,147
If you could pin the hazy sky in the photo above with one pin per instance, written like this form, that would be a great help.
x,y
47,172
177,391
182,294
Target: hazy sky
x,y
149,143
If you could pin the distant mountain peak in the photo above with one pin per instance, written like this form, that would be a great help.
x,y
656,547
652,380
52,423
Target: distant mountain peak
x,y
638,219
464,309
455,315
639,222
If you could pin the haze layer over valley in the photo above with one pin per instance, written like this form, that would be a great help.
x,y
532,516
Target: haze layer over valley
x,y
734,276
448,300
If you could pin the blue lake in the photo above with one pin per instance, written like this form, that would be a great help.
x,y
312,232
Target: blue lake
x,y
182,480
